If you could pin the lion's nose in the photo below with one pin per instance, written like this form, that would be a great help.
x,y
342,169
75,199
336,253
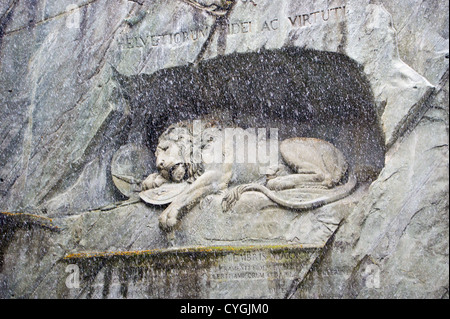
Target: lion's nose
x,y
160,164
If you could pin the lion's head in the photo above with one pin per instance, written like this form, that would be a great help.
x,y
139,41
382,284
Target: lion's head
x,y
175,158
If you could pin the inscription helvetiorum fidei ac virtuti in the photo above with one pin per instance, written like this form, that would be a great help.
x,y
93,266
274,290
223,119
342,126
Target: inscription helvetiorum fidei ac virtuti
x,y
215,148
250,27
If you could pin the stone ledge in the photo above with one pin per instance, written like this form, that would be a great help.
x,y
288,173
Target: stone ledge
x,y
196,250
191,272
24,220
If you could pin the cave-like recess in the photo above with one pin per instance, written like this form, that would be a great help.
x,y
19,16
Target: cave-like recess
x,y
301,92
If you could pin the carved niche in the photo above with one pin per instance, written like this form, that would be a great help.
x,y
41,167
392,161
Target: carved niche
x,y
195,159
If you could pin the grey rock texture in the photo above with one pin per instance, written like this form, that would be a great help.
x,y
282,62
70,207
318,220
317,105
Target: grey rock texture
x,y
403,235
74,74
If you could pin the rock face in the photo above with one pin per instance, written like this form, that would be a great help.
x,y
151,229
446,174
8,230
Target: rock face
x,y
81,81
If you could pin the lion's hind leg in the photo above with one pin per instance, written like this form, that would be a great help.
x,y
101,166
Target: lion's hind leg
x,y
294,181
302,172
304,157
320,161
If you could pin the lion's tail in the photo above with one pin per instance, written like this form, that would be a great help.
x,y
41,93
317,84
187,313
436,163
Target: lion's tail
x,y
338,193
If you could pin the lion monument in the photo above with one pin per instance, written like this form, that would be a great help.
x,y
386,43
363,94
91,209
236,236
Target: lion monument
x,y
196,159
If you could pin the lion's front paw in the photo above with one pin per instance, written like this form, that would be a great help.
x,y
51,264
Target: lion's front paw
x,y
153,181
169,217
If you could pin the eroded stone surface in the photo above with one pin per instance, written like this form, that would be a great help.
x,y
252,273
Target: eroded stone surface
x,y
64,113
398,238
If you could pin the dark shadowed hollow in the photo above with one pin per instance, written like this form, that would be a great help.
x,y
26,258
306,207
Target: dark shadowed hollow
x,y
301,92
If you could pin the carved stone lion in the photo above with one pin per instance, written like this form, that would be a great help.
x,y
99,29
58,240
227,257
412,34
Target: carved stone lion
x,y
186,173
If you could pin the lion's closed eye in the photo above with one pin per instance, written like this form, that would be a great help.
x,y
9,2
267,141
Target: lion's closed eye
x,y
163,148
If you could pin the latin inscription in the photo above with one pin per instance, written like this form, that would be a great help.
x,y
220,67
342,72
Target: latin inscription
x,y
155,40
309,19
257,265
255,273
233,28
